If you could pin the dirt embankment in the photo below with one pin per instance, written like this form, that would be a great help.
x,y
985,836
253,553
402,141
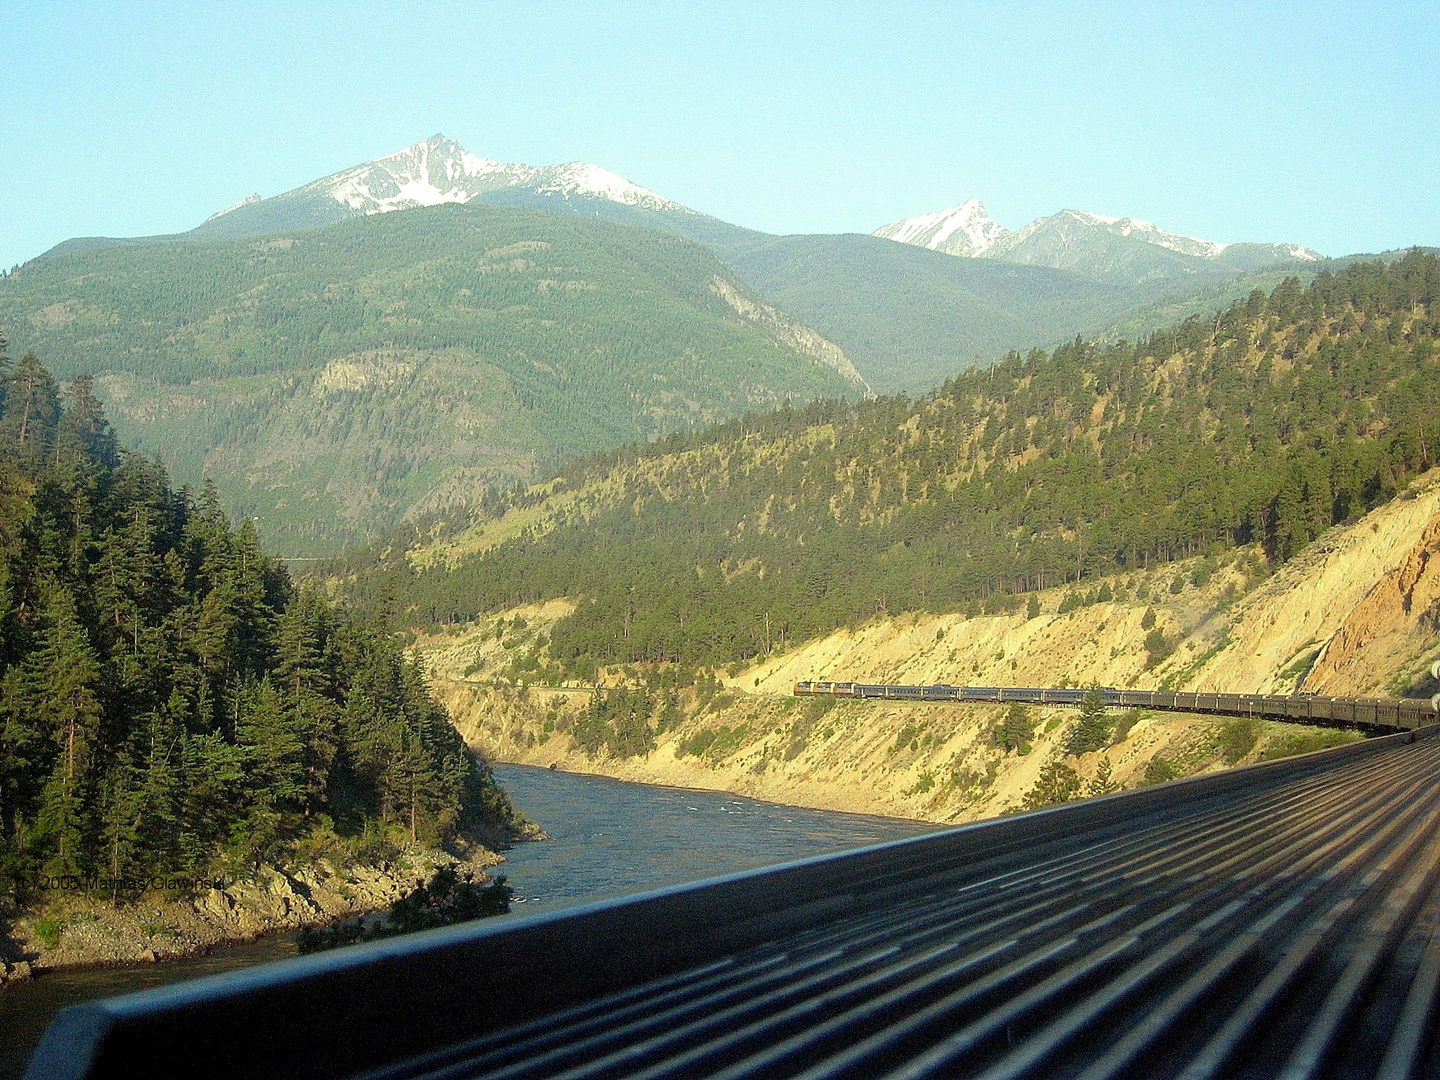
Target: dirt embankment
x,y
1369,589
1277,632
932,762
1388,632
75,929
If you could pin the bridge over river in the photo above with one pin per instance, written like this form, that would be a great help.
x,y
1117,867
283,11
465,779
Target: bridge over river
x,y
1281,919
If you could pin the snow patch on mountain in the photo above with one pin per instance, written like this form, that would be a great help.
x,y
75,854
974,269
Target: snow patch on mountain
x,y
1296,251
257,197
440,170
965,230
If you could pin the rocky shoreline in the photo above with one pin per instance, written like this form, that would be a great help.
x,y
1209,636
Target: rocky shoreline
x,y
69,931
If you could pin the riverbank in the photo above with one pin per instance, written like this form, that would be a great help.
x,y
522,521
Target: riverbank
x,y
74,930
1354,613
606,838
940,763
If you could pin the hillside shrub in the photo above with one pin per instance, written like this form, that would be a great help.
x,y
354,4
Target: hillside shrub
x,y
1015,730
1058,783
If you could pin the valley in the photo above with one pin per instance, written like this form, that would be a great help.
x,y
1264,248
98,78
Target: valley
x,y
1239,631
372,347
1283,417
782,542
1245,505
619,475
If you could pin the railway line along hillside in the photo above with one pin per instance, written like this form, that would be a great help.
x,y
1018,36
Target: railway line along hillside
x,y
746,733
1205,508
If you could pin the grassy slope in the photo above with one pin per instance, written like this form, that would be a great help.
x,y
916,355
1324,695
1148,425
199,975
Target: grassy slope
x,y
331,380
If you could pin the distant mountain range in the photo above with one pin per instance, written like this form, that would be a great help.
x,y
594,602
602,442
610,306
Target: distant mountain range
x,y
907,315
436,171
362,348
440,170
1086,242
334,381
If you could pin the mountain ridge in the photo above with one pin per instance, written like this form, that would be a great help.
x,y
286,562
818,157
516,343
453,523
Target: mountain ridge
x,y
907,317
965,229
1285,415
1084,241
434,171
440,170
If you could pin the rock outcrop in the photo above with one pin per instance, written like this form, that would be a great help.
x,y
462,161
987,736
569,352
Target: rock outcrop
x,y
74,930
1276,633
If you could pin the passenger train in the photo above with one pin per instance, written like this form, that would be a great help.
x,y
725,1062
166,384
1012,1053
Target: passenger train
x,y
1371,714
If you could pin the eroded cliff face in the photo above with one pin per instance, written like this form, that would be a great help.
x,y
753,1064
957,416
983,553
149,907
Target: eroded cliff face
x,y
1370,590
1278,630
1383,643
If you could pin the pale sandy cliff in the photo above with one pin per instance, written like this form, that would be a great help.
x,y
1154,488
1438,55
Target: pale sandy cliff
x,y
1355,613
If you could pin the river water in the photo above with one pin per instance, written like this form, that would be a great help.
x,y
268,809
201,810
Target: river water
x,y
607,838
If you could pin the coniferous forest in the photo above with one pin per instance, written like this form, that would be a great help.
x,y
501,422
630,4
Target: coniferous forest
x,y
1265,424
171,703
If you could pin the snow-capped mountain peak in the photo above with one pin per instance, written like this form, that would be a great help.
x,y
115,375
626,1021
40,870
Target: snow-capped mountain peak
x,y
440,170
1078,240
965,229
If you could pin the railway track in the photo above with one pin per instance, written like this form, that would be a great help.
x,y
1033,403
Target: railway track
x,y
1365,714
1281,920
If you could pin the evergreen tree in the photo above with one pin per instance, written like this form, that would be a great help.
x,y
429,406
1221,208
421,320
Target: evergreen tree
x,y
1092,730
64,671
31,411
1016,729
1057,783
273,757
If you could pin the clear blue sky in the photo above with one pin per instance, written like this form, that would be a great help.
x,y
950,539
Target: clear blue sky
x,y
1318,124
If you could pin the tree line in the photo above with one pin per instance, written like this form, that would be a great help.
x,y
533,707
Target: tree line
x,y
170,700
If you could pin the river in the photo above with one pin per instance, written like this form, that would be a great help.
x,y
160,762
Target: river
x,y
607,838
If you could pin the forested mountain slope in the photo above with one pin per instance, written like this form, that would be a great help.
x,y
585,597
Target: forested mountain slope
x,y
909,318
170,703
330,381
1268,423
1214,622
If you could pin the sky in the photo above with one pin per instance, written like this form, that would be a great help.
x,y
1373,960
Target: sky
x,y
1316,124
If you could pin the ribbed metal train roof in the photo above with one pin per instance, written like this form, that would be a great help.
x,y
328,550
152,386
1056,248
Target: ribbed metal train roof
x,y
1276,921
